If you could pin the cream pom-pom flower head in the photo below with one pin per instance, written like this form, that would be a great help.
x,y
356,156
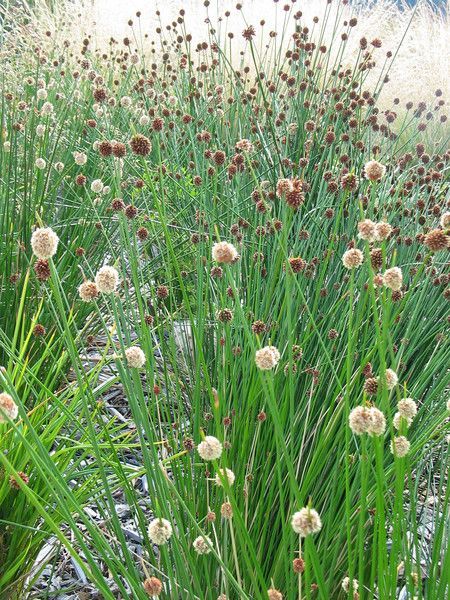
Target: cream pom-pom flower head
x,y
374,171
88,291
107,279
267,358
210,448
8,408
202,544
44,243
226,474
135,357
224,252
306,521
352,258
160,531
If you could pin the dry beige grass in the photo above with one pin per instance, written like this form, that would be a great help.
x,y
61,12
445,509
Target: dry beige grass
x,y
421,35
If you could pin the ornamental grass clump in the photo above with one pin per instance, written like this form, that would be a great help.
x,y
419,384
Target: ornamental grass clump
x,y
223,310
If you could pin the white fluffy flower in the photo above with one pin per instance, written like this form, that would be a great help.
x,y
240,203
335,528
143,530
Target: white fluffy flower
x,y
8,408
226,474
224,252
393,279
40,163
391,379
210,448
47,108
160,531
202,544
352,258
135,357
97,186
407,408
306,521
80,158
267,358
107,279
400,446
44,242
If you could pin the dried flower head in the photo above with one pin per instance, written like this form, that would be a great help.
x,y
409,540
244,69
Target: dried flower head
x,y
366,230
391,379
224,252
210,448
226,510
352,258
306,521
445,220
160,531
382,231
153,586
226,474
437,240
8,408
400,446
407,408
140,145
135,357
374,171
107,279
267,358
346,585
88,291
274,594
393,278
44,243
202,544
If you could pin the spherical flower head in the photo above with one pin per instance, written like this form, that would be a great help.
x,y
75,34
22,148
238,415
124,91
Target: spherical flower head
x,y
400,446
382,231
407,408
244,145
107,279
88,291
391,379
135,357
210,448
393,279
274,594
80,158
437,240
226,474
160,531
40,163
267,358
377,422
306,521
445,220
202,544
8,408
399,420
224,252
359,420
346,584
44,243
374,171
153,586
352,258
366,230
97,186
